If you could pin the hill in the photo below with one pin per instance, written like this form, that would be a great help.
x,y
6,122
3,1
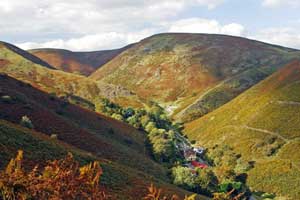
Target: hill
x,y
263,126
87,134
25,54
83,63
193,74
77,87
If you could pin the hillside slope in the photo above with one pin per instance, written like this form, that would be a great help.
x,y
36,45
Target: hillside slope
x,y
263,125
119,181
25,54
15,64
93,135
193,74
83,63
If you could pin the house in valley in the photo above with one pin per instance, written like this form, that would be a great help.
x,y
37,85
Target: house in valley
x,y
189,155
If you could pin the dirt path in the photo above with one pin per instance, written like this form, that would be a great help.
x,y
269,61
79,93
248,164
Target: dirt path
x,y
260,130
266,131
289,103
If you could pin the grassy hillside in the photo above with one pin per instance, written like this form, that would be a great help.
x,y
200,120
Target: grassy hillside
x,y
25,54
58,82
87,134
263,125
83,63
119,181
192,74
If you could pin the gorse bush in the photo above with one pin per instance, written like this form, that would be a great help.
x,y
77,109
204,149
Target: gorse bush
x,y
59,179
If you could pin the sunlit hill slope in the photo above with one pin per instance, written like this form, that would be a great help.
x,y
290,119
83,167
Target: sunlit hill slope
x,y
192,74
83,63
263,125
87,134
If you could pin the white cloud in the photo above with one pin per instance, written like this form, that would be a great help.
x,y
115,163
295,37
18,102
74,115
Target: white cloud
x,y
211,4
61,21
289,37
109,40
279,3
102,41
198,25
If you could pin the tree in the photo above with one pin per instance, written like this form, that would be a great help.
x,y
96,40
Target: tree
x,y
145,119
128,112
182,176
134,121
206,180
117,117
162,149
150,126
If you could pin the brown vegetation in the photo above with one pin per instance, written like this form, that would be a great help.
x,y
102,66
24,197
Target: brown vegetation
x,y
59,179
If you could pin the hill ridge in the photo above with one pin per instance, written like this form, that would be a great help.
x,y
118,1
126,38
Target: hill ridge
x,y
26,55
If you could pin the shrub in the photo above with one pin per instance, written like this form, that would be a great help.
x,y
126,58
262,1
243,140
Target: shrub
x,y
156,194
59,179
26,122
53,136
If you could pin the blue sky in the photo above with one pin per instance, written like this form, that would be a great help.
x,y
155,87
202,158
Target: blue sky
x,y
104,24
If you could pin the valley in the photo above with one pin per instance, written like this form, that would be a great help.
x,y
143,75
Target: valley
x,y
209,114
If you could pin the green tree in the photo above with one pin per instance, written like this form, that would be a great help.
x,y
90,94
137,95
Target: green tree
x,y
134,121
206,180
183,177
117,117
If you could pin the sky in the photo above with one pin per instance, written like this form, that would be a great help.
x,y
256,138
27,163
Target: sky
x,y
87,25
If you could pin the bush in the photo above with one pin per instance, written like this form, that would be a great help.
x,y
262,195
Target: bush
x,y
53,136
156,194
60,179
26,122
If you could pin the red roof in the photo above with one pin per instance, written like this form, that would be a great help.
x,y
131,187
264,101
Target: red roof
x,y
199,165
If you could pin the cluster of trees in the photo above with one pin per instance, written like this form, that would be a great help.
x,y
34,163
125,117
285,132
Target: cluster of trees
x,y
160,130
225,178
